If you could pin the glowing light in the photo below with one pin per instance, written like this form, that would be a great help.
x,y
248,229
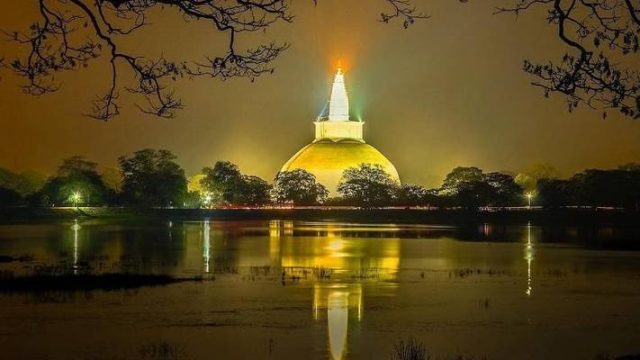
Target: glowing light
x,y
529,196
206,200
206,245
338,320
528,255
339,103
75,228
75,198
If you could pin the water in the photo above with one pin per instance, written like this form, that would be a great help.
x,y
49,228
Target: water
x,y
322,290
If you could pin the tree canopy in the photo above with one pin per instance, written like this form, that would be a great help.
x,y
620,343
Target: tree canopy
x,y
224,184
76,182
367,185
152,178
298,187
471,188
594,188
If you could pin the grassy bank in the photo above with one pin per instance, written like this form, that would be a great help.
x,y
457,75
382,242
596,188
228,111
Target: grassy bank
x,y
421,216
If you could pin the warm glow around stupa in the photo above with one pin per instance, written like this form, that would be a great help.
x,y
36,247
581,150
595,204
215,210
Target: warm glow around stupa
x,y
339,143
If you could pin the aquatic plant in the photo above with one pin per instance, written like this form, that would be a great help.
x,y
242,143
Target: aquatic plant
x,y
161,351
409,350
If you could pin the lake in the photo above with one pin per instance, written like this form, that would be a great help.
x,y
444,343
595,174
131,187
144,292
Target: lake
x,y
325,290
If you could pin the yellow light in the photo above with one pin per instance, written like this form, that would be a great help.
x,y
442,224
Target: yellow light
x,y
75,197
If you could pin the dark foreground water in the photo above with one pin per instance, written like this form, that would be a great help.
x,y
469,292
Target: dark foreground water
x,y
322,290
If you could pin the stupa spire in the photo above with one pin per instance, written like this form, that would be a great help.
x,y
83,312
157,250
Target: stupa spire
x,y
339,103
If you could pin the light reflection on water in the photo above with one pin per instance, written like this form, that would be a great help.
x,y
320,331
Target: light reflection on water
x,y
408,277
528,255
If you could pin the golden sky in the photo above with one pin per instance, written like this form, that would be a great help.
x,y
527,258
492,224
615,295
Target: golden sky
x,y
448,91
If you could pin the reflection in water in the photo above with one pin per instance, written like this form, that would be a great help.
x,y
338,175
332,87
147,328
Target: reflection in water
x,y
355,261
341,302
75,227
528,255
420,280
347,256
206,245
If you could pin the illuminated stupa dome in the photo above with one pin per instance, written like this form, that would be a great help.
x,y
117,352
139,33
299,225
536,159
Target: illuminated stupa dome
x,y
339,144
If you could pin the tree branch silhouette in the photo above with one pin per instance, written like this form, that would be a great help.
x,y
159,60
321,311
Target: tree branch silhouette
x,y
600,35
71,33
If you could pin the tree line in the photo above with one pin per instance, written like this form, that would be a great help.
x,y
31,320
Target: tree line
x,y
153,178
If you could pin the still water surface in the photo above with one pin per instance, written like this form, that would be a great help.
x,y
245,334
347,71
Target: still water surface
x,y
326,290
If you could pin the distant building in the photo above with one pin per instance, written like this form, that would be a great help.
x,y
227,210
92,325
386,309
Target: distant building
x,y
339,144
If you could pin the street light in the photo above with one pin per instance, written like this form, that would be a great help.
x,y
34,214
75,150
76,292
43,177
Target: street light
x,y
75,198
529,197
206,201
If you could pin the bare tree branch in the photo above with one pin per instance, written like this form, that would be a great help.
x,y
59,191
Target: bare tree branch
x,y
103,23
404,10
600,34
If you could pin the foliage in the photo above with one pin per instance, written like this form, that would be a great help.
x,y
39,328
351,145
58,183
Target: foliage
x,y
222,182
298,187
152,178
505,191
592,188
367,186
193,200
458,177
471,188
77,182
254,191
112,179
9,197
226,185
412,195
528,178
24,183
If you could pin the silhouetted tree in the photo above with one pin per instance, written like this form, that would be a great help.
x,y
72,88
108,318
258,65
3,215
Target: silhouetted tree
x,y
505,190
298,187
222,182
458,178
152,178
528,178
9,197
367,186
470,187
412,195
193,200
598,35
25,183
554,193
254,191
474,194
68,35
225,184
613,188
77,182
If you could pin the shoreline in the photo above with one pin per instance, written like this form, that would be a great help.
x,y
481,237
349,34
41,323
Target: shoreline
x,y
394,215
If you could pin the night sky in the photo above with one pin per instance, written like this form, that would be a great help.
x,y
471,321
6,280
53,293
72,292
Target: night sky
x,y
448,91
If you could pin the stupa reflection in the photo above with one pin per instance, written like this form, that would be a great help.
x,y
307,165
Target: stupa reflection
x,y
352,263
342,303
